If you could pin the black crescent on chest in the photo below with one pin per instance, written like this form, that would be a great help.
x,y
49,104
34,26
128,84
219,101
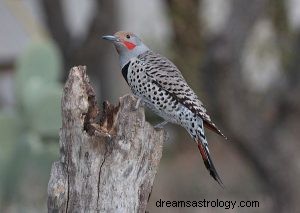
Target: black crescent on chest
x,y
125,71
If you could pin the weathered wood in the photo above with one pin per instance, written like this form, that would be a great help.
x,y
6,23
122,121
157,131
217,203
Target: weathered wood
x,y
96,172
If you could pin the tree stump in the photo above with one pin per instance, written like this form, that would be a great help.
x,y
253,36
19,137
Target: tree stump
x,y
108,160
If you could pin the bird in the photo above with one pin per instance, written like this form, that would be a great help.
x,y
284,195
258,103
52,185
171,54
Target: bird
x,y
160,86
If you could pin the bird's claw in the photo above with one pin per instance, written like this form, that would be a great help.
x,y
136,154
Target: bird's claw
x,y
137,104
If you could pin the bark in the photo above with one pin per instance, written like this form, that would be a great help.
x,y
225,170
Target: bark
x,y
105,166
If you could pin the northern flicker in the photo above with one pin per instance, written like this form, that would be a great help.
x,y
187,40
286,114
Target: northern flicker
x,y
158,83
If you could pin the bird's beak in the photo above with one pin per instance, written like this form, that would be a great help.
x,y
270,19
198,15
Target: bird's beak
x,y
110,38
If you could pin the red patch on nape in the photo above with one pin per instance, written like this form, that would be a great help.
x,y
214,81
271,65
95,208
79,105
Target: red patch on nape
x,y
129,45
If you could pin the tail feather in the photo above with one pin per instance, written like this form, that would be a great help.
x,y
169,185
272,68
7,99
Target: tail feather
x,y
208,162
211,126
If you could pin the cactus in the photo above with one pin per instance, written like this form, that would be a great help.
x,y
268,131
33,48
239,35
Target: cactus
x,y
27,132
37,88
8,129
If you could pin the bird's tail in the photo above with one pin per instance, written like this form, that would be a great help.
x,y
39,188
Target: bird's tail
x,y
203,148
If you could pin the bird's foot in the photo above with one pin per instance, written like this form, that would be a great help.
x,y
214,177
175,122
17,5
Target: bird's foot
x,y
137,104
160,125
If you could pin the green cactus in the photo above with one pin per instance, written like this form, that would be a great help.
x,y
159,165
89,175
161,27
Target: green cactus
x,y
26,135
9,130
38,90
41,106
42,60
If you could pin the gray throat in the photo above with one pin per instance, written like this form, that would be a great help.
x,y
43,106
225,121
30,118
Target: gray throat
x,y
125,57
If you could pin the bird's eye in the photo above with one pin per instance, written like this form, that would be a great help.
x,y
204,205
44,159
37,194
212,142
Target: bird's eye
x,y
128,36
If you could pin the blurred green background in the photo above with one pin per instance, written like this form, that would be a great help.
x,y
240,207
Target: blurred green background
x,y
241,57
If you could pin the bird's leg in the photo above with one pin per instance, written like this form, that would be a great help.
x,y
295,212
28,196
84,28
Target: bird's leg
x,y
138,103
160,125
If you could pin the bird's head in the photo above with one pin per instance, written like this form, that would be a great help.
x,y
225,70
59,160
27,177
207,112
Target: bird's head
x,y
128,45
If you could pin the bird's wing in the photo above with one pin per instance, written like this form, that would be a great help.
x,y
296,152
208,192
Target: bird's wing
x,y
165,74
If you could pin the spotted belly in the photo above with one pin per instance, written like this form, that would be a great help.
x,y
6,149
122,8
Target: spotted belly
x,y
160,101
